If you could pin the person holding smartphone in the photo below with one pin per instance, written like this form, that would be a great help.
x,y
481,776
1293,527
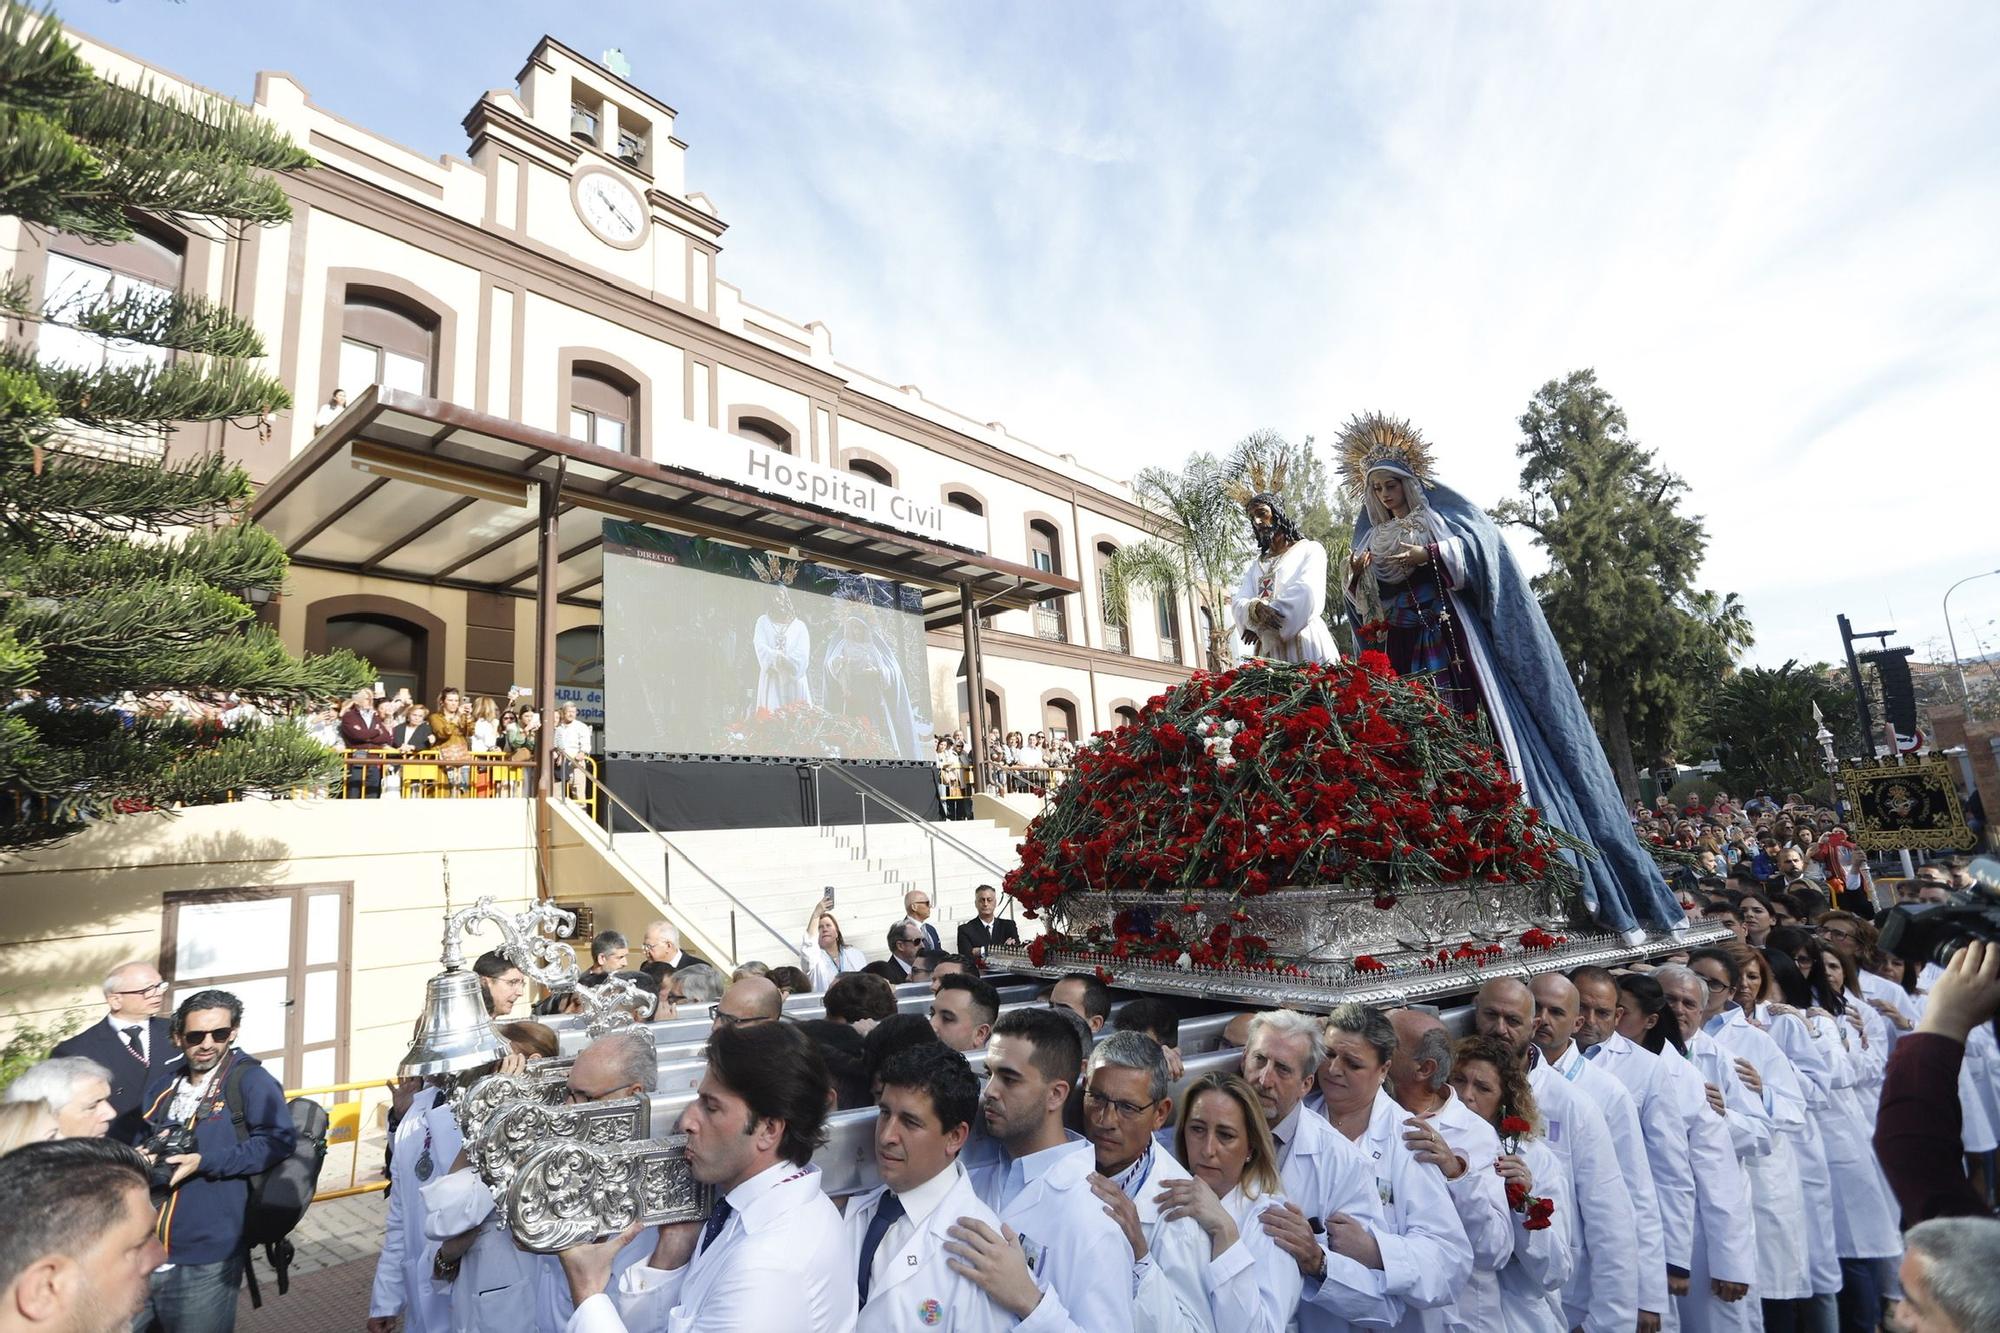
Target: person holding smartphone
x,y
827,953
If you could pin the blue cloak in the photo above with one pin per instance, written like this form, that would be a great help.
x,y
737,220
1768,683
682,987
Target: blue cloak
x,y
1563,764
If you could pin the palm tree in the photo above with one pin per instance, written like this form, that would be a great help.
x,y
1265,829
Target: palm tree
x,y
1200,544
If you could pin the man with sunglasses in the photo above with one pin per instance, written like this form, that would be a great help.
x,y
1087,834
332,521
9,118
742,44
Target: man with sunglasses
x,y
207,1090
131,1042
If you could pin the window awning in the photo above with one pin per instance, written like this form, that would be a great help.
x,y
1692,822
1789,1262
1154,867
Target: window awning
x,y
405,487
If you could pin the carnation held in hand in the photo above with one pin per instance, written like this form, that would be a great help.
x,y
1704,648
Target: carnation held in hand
x,y
1272,776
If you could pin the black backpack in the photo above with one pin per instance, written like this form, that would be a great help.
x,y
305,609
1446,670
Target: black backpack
x,y
278,1197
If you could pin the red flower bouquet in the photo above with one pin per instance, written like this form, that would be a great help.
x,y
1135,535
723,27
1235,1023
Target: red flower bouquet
x,y
1538,1210
1273,776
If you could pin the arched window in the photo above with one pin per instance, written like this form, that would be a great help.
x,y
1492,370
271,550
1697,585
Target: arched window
x,y
1059,719
965,500
1045,553
1115,637
395,648
603,407
870,469
765,432
149,263
1126,714
387,341
1167,615
995,718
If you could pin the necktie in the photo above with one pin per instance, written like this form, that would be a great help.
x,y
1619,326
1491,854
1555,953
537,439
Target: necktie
x,y
717,1219
1591,1052
132,1040
886,1214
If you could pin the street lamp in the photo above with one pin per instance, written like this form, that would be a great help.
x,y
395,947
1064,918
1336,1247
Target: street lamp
x,y
1964,693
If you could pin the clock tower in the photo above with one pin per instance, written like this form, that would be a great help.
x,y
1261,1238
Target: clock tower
x,y
580,161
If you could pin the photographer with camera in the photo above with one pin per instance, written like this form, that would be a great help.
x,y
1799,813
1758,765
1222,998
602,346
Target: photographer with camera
x,y
1917,1131
214,1119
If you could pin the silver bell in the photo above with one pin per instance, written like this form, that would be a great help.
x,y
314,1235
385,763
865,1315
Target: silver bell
x,y
453,1034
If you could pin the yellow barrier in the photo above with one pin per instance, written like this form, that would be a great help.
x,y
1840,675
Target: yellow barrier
x,y
344,1127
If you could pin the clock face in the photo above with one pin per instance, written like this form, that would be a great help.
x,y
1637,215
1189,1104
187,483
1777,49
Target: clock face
x,y
611,208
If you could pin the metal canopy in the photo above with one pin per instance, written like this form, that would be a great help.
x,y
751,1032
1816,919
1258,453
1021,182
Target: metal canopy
x,y
402,486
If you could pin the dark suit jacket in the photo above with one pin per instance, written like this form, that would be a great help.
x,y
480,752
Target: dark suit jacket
x,y
417,737
128,1076
974,935
370,734
931,939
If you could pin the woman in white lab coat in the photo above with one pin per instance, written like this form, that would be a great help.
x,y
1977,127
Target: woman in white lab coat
x,y
1221,1137
1490,1081
826,953
1421,1249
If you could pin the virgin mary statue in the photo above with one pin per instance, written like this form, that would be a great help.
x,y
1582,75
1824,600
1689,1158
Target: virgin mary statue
x,y
1432,585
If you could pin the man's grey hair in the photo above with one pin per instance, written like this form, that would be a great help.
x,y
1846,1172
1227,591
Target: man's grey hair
x,y
1133,1050
1292,1023
54,1080
1680,974
916,893
701,983
664,927
632,1058
111,977
1435,1045
1960,1256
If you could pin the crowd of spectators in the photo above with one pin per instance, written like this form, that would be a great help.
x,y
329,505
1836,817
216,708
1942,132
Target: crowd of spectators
x,y
1761,845
1034,762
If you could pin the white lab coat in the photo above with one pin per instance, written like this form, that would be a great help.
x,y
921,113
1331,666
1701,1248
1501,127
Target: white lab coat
x,y
781,1261
1777,1199
1425,1254
1621,1119
1324,1174
1076,1251
1649,1081
1481,1199
1725,1242
1253,1286
497,1279
1815,1075
1539,1262
1168,1293
917,1289
1602,1295
403,1282
1865,1215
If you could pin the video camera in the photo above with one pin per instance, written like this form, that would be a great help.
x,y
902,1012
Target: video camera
x,y
1933,932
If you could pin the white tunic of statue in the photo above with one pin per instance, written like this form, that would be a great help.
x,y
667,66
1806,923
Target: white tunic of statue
x,y
1293,585
783,651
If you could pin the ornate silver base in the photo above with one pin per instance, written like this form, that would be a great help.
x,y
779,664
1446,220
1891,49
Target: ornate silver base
x,y
571,1193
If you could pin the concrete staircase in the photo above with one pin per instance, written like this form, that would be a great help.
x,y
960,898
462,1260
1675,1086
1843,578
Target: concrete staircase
x,y
778,874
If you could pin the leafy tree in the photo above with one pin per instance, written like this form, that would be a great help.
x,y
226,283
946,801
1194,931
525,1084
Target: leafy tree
x,y
1642,640
120,575
1758,724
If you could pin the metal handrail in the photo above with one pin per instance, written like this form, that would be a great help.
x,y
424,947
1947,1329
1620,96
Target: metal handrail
x,y
908,816
719,887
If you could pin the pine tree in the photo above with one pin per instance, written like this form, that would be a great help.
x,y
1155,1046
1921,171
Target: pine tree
x,y
1641,639
119,575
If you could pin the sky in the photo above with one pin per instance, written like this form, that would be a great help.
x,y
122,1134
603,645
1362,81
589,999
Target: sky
x,y
1133,229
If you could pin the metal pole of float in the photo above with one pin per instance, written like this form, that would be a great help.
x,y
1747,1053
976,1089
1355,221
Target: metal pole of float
x,y
975,684
546,562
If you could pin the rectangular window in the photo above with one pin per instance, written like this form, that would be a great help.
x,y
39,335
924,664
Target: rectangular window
x,y
610,434
579,425
75,282
358,361
1168,619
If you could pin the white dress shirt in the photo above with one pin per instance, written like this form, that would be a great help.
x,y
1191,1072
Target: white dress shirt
x,y
403,1282
1324,1174
1168,1291
1664,1127
1540,1262
1481,1199
1074,1248
911,1285
781,1261
1602,1295
144,1035
1425,1255
1777,1199
1621,1118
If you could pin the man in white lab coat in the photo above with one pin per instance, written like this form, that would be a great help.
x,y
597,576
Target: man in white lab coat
x,y
1125,1103
425,1144
1418,1076
1038,1180
1556,1016
899,1234
1332,1208
772,1253
1505,1010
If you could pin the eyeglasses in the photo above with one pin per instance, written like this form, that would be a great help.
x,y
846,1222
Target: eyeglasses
x,y
574,1095
153,989
220,1036
1713,984
723,1020
1094,1100
674,997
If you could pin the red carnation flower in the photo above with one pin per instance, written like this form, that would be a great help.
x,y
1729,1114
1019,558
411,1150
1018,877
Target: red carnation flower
x,y
1517,1195
1514,1124
1369,963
